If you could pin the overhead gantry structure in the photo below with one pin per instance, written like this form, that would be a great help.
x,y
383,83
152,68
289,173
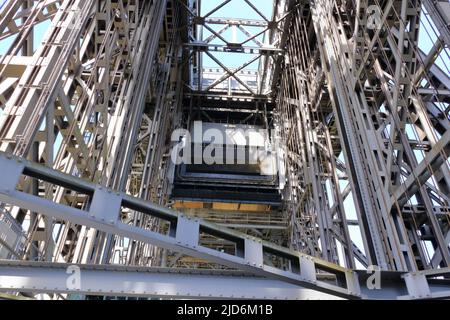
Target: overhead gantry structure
x,y
355,95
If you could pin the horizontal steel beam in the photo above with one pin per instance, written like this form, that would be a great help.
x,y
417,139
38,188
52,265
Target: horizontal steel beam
x,y
128,281
235,22
113,280
230,48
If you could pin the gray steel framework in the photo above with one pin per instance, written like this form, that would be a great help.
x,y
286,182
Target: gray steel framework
x,y
183,235
360,106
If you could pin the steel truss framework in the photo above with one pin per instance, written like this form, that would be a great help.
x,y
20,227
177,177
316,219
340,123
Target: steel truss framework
x,y
267,52
104,214
361,109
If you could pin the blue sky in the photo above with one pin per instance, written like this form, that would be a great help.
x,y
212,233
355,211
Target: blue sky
x,y
238,9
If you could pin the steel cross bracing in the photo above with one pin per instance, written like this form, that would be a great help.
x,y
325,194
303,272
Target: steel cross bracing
x,y
264,45
17,15
94,106
370,147
361,107
104,213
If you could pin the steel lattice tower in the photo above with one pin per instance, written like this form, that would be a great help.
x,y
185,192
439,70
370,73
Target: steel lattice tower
x,y
353,101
